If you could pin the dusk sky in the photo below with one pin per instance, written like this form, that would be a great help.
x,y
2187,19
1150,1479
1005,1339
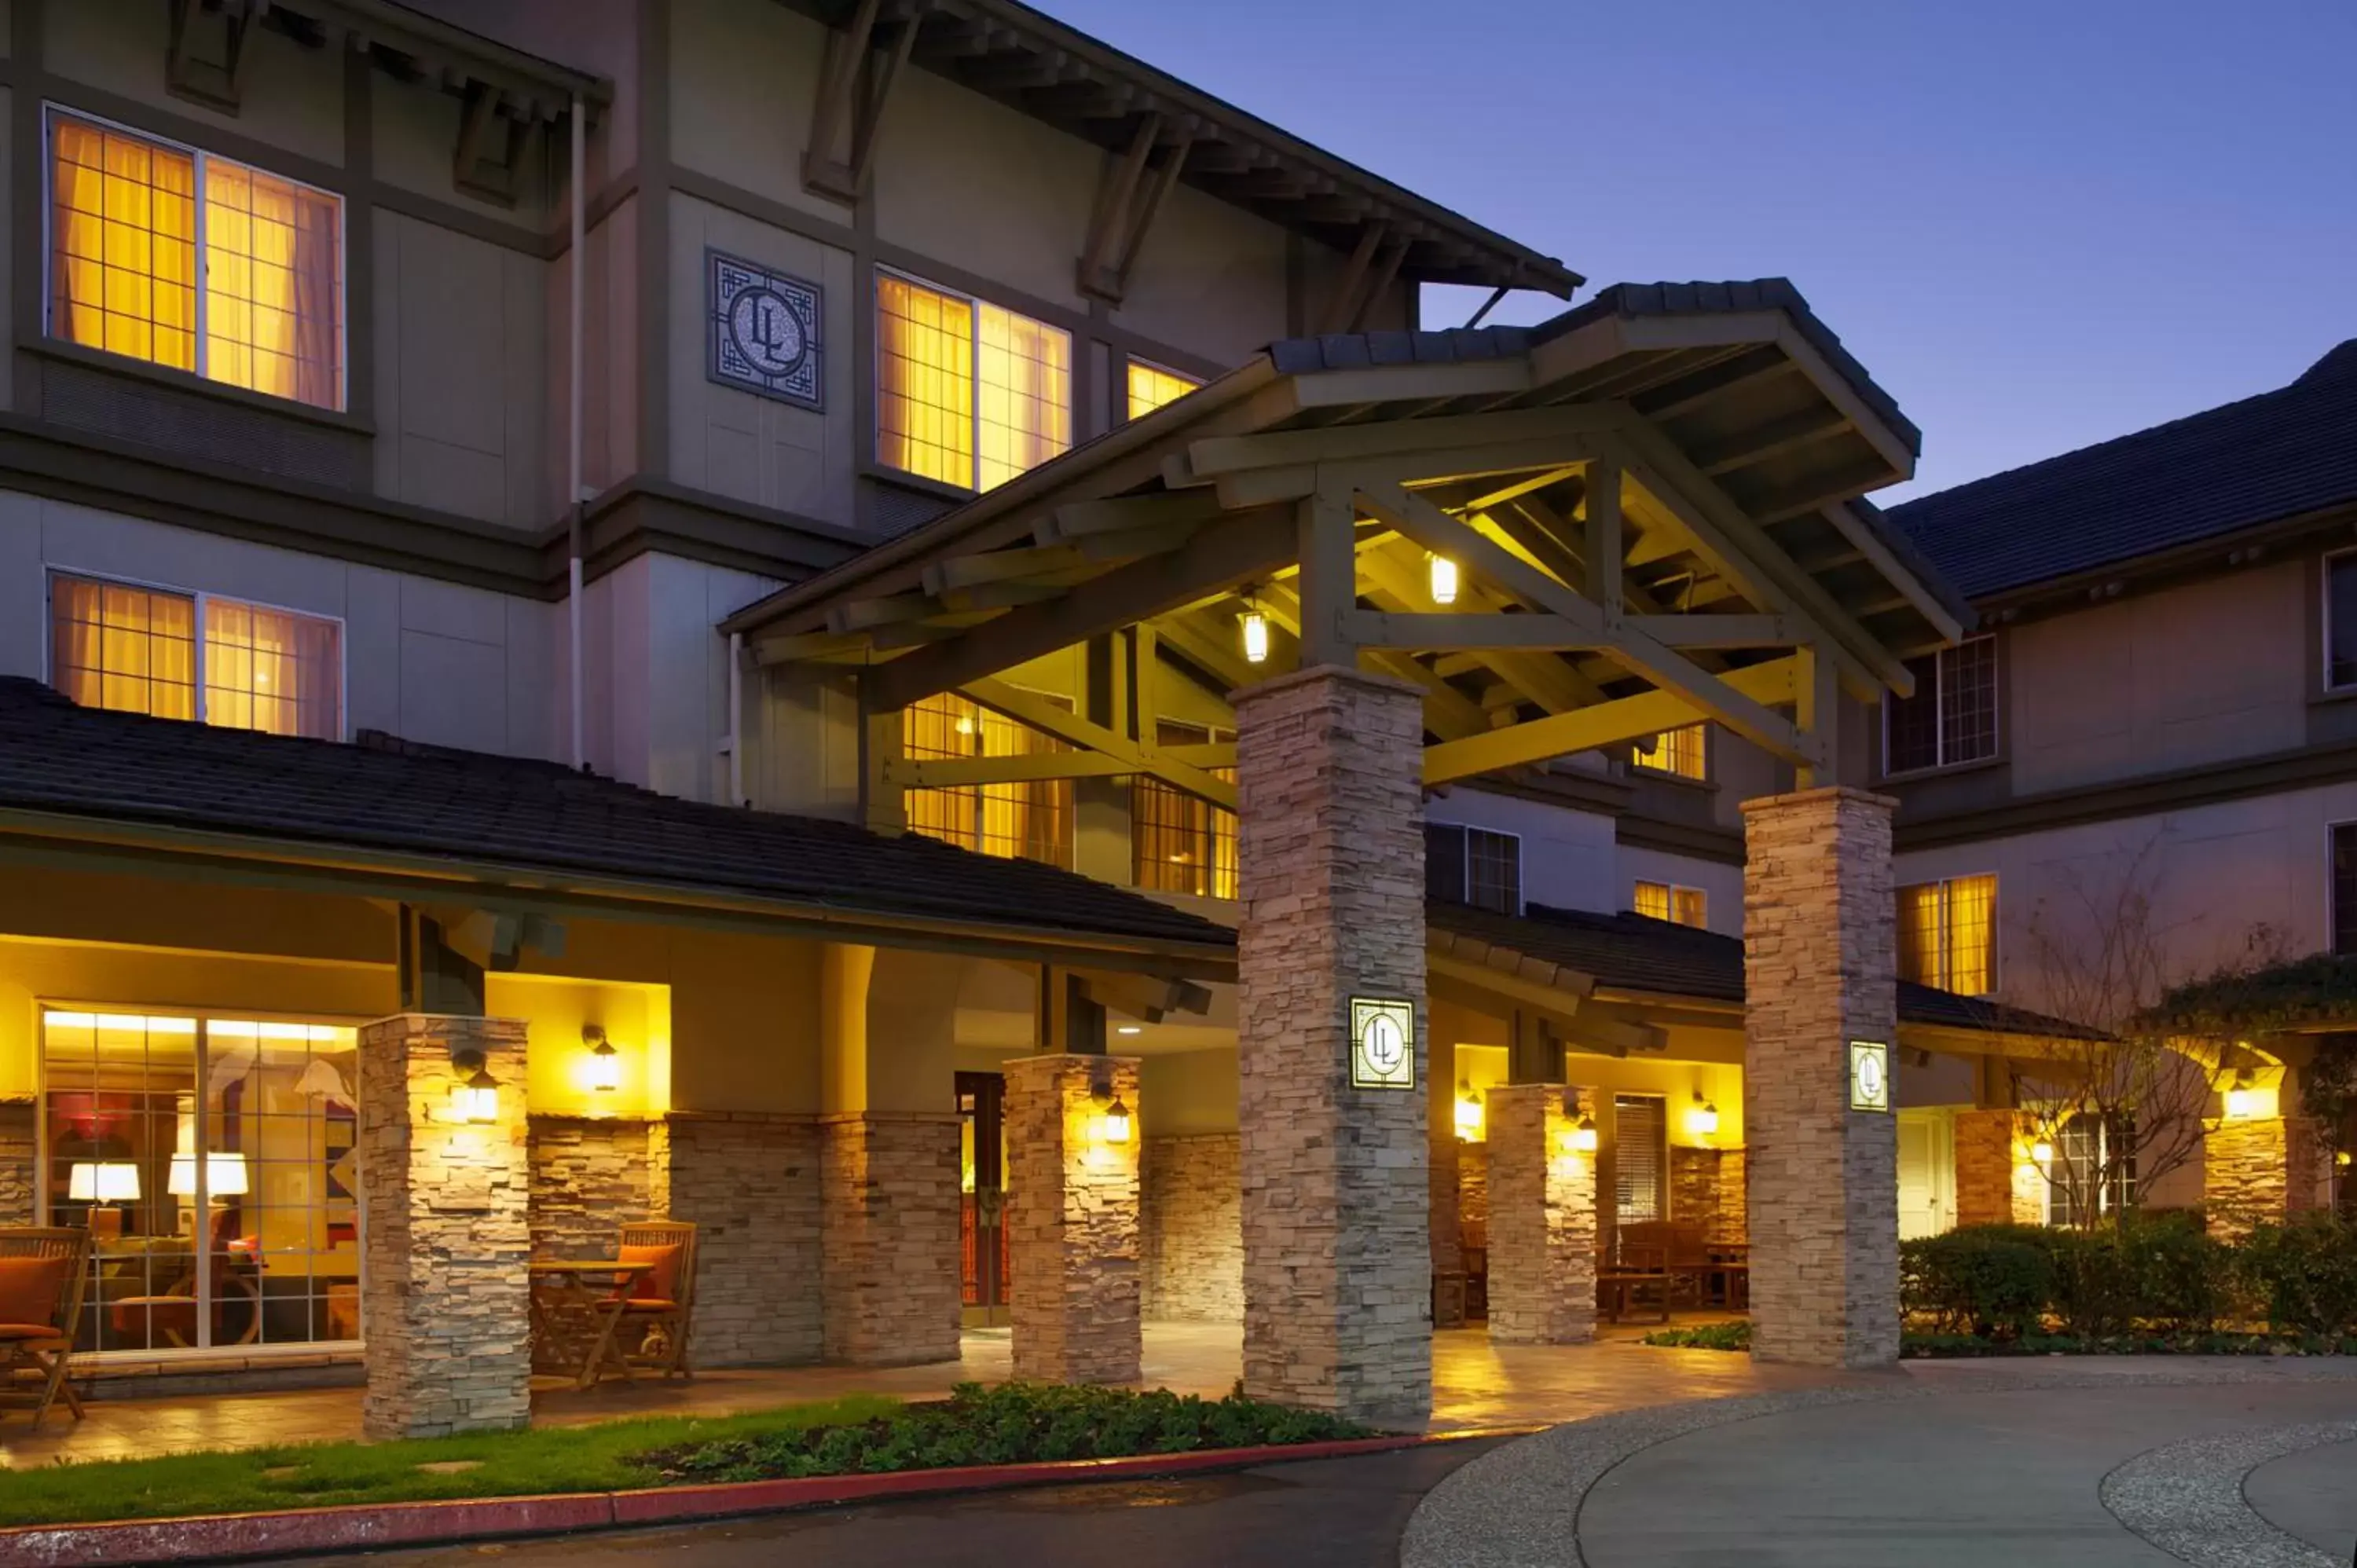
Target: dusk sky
x,y
2038,224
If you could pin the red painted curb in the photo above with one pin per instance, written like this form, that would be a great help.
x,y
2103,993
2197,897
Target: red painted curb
x,y
251,1535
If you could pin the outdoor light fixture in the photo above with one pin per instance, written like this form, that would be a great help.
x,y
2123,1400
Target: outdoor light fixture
x,y
2242,1102
1444,580
1703,1119
966,723
1256,637
1468,1110
1582,1136
605,1061
1126,1029
474,1096
1111,1123
2041,1153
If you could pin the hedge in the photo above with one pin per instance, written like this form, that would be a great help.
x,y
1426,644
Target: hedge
x,y
2156,1276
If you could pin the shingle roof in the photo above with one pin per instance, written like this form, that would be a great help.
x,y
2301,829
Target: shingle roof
x,y
2280,454
471,808
1634,952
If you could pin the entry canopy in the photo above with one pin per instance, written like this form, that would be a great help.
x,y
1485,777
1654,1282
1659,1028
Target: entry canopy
x,y
1652,507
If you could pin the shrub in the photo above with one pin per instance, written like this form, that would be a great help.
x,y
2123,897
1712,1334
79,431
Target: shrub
x,y
2304,1275
1984,1280
2184,1278
1704,1336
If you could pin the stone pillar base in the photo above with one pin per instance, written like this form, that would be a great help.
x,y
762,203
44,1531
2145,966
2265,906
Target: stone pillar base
x,y
445,1295
1996,1182
1541,1218
749,1181
1073,1214
2262,1170
888,1195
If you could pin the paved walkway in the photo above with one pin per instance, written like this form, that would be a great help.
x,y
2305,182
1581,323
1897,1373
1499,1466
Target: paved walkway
x,y
2046,1464
1476,1387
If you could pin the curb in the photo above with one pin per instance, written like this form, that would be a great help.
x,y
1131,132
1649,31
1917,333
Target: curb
x,y
229,1537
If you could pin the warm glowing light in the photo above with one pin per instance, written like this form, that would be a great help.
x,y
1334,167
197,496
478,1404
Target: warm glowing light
x,y
225,1176
966,723
1702,1118
2242,1100
2041,1153
1468,1111
474,1093
1256,637
1582,1137
103,1181
1444,580
605,1067
2342,1159
1110,1124
1126,1029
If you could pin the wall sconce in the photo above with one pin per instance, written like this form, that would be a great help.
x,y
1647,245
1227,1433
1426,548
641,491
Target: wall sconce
x,y
1256,627
474,1093
1444,580
2041,1154
2342,1159
1702,1118
1110,1124
605,1061
1582,1139
2242,1100
1468,1111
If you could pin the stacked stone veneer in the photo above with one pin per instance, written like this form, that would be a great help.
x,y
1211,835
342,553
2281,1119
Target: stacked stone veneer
x,y
749,1181
2262,1168
1994,1185
1706,1188
19,1157
445,1293
588,1175
1541,1218
889,1188
1190,1211
1473,1191
1820,969
1337,1255
1072,1220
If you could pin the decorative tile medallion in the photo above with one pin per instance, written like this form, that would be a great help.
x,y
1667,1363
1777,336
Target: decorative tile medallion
x,y
763,330
1382,1042
1869,1075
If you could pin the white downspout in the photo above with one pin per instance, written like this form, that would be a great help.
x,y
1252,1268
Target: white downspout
x,y
580,172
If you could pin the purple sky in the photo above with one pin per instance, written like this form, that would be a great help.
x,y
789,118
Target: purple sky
x,y
2038,222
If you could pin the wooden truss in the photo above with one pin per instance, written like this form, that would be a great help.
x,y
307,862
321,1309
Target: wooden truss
x,y
863,59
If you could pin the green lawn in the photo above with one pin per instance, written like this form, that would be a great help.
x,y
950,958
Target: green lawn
x,y
510,1463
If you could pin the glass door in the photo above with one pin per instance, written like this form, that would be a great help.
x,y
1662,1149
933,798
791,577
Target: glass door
x,y
982,1206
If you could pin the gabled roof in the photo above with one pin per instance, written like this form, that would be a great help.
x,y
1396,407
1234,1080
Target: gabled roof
x,y
2282,454
475,810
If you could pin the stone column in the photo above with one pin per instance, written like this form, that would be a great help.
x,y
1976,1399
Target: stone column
x,y
19,1162
1541,1218
1072,1220
1820,971
888,1190
444,1215
1337,1261
2263,1169
1995,1185
748,1180
1192,1267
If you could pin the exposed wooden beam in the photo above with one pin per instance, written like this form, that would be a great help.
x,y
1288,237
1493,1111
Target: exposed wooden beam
x,y
1600,726
1215,455
1816,708
957,772
796,646
1026,707
1082,519
1382,628
1540,678
1344,303
1771,440
1001,565
856,76
1131,192
1601,536
1718,630
1861,535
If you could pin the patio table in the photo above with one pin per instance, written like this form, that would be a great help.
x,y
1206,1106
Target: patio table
x,y
574,1320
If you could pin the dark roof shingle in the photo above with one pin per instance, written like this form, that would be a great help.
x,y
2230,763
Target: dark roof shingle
x,y
2280,454
470,807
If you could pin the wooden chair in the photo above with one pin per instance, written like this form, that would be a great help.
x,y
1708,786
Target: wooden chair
x,y
651,1316
42,1343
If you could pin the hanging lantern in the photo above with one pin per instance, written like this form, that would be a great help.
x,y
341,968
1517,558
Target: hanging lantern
x,y
605,1061
1702,1120
1468,1111
1256,627
1444,580
474,1093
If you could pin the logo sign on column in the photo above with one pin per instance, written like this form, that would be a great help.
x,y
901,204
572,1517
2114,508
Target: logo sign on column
x,y
763,328
1382,1042
1869,1075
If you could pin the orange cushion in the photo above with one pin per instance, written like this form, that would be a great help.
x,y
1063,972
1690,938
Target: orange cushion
x,y
650,1303
29,1288
662,1277
26,1331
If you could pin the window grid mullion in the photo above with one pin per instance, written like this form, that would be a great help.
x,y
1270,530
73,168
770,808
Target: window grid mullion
x,y
973,391
196,657
201,269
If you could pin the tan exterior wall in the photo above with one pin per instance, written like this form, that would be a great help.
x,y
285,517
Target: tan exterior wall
x,y
287,100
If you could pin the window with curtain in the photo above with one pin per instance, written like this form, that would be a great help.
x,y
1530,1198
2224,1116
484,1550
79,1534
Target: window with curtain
x,y
967,393
2084,1189
1639,1156
196,656
1151,386
1181,843
1667,901
1947,934
1951,717
1676,751
180,258
1027,820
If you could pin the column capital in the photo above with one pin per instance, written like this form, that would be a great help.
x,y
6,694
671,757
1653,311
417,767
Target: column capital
x,y
1827,793
1345,674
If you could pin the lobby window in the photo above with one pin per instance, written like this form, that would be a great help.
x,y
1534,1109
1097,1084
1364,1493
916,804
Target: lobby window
x,y
196,656
1951,717
1947,934
2344,887
1151,386
1181,843
215,1161
1473,866
168,255
2340,620
2080,1188
1667,901
967,393
1680,751
1640,1157
1029,820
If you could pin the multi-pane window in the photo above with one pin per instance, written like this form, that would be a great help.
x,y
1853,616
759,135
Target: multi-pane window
x,y
1181,843
1947,934
1680,751
164,253
1027,820
196,656
2344,887
1640,1157
967,393
1667,901
1473,866
1151,386
215,1163
1951,717
2340,619
2094,1173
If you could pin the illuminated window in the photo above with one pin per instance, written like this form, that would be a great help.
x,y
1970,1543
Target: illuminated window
x,y
1182,842
130,217
1473,866
1947,934
967,393
135,649
1678,751
1640,1157
1951,717
1151,386
2094,1173
1666,901
1027,820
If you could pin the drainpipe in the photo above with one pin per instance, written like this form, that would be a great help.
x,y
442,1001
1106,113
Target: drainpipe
x,y
736,718
572,429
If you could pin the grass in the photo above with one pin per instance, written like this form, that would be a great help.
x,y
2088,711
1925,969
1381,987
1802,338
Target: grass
x,y
605,1457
